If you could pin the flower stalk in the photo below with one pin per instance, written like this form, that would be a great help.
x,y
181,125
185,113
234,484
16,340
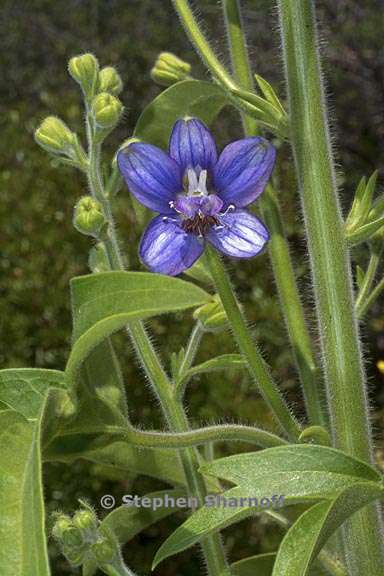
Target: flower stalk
x,y
342,358
247,346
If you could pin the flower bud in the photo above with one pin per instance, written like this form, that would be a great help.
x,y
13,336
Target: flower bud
x,y
76,557
106,110
55,136
85,520
169,69
72,538
104,551
62,525
88,216
85,70
110,81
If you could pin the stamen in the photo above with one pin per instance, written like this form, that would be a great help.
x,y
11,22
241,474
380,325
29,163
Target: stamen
x,y
193,184
197,185
202,186
230,208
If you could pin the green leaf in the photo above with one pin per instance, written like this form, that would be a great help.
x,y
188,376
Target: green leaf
x,y
99,297
125,522
317,463
24,389
22,529
106,302
307,536
224,362
187,98
300,473
364,233
269,93
260,565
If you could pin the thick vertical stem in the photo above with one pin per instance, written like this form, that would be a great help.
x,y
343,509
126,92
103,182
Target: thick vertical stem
x,y
278,246
342,357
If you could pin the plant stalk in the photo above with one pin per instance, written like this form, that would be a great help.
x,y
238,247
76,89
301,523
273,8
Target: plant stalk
x,y
342,358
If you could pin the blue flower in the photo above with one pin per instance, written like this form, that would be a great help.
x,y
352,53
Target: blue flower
x,y
200,196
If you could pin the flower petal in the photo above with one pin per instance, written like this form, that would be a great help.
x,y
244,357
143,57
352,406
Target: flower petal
x,y
166,248
243,169
192,145
151,175
242,235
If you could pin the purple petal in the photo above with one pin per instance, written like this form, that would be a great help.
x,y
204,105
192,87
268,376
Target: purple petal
x,y
187,205
166,248
151,175
242,234
192,145
210,205
243,169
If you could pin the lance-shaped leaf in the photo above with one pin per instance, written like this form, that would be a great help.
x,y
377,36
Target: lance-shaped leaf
x,y
262,565
187,98
307,536
126,521
104,303
299,473
22,527
224,362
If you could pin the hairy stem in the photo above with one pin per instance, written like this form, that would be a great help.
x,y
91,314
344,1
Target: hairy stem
x,y
340,344
191,349
247,346
278,246
220,433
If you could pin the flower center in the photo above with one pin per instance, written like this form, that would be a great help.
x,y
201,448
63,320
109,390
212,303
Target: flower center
x,y
200,210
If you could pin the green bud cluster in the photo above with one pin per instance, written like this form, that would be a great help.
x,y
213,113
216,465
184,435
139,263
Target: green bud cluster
x,y
169,69
82,538
212,315
88,216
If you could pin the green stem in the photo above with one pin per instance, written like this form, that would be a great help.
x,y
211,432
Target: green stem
x,y
257,366
220,433
200,42
278,246
364,292
192,348
341,352
239,55
172,409
370,299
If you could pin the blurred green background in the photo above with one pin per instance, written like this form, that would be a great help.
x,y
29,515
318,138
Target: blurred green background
x,y
40,251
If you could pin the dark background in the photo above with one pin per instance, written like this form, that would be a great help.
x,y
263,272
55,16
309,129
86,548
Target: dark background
x,y
40,251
